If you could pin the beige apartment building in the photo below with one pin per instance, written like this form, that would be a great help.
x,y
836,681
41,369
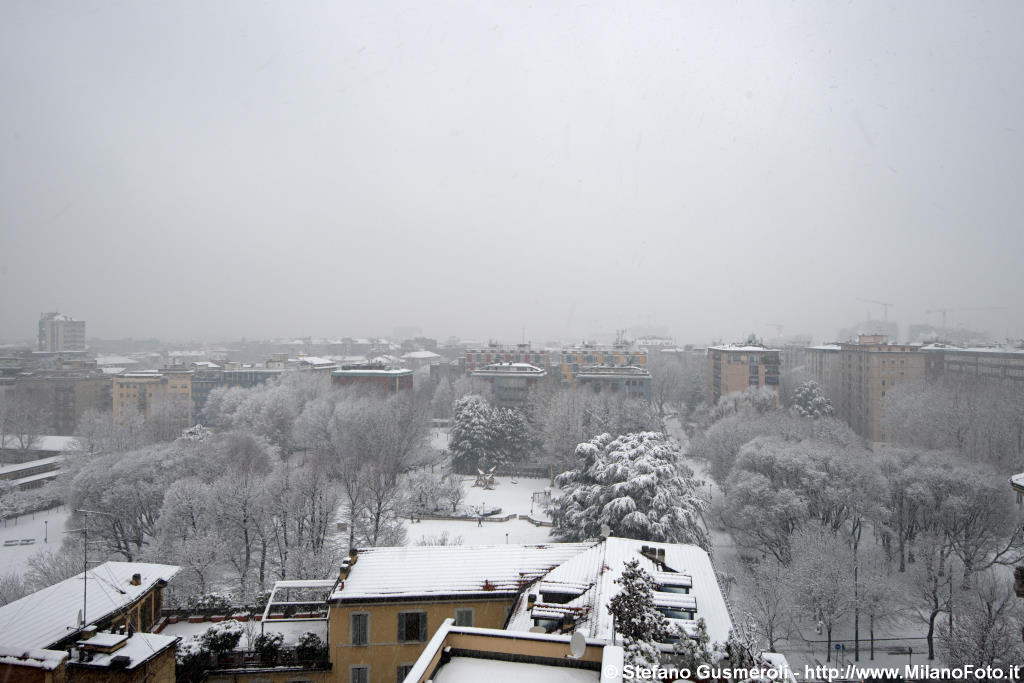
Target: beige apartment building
x,y
733,368
143,390
856,376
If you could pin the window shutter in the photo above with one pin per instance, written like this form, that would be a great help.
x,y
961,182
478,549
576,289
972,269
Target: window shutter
x,y
401,627
423,626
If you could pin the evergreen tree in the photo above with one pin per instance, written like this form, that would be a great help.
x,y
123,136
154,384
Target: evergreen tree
x,y
637,621
810,401
636,486
472,437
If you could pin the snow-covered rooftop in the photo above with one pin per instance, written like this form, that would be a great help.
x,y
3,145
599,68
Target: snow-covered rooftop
x,y
420,355
826,347
48,660
599,567
509,369
314,360
472,670
411,571
971,349
741,348
50,615
115,360
1017,481
22,466
138,648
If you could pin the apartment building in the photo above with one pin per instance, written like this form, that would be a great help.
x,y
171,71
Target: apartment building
x,y
734,368
630,380
208,376
389,601
997,364
63,396
562,364
510,383
571,599
856,376
145,390
58,332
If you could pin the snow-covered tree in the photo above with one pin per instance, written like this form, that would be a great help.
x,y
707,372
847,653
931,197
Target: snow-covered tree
x,y
634,484
987,629
821,576
769,602
810,401
100,432
636,619
472,437
12,587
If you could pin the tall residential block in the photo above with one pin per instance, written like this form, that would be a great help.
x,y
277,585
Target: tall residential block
x,y
58,332
733,368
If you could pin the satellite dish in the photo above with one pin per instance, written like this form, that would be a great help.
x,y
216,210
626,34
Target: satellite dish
x,y
606,531
577,645
538,629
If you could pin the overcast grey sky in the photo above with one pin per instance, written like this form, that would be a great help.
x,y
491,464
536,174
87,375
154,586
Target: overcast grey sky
x,y
229,169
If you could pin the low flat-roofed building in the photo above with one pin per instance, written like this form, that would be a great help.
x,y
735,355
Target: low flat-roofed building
x,y
17,449
460,654
633,381
510,383
374,376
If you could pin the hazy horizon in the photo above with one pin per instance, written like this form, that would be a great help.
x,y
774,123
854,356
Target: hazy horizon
x,y
218,171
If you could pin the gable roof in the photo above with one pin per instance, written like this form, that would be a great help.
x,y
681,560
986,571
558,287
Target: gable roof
x,y
591,575
50,615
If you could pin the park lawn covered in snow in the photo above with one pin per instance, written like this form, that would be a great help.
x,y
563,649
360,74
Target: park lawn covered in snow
x,y
49,524
488,533
512,498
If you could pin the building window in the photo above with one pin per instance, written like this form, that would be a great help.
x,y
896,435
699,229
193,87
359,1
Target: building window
x,y
361,629
464,617
403,671
359,674
412,627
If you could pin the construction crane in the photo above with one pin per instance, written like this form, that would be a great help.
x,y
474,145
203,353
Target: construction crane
x,y
884,304
944,311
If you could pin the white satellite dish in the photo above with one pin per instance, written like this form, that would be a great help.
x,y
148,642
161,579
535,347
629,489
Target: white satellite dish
x,y
577,645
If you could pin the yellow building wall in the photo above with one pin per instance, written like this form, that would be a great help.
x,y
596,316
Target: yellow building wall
x,y
385,654
11,673
268,676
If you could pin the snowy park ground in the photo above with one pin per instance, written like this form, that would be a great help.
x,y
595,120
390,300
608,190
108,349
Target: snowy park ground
x,y
45,529
513,496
